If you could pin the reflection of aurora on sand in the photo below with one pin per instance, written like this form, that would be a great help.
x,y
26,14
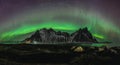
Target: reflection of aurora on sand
x,y
98,25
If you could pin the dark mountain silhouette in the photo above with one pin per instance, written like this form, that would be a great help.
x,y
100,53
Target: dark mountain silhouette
x,y
50,35
82,35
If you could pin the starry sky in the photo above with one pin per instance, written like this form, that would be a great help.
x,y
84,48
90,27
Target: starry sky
x,y
18,18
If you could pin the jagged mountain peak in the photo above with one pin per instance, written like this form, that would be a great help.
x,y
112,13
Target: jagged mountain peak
x,y
50,35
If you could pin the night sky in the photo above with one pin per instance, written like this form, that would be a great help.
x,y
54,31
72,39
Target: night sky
x,y
21,17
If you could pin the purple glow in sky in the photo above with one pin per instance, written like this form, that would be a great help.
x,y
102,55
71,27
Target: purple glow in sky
x,y
15,13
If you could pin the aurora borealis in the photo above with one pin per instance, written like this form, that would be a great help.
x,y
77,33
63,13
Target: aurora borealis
x,y
19,18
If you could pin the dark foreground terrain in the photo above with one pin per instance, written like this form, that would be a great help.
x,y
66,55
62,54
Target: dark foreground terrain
x,y
45,54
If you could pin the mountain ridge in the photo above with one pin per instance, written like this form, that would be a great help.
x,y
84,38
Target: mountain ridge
x,y
51,36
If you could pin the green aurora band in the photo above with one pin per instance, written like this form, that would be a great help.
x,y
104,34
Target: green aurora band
x,y
93,20
31,28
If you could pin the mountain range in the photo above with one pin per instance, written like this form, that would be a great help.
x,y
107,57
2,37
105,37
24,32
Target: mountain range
x,y
51,36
